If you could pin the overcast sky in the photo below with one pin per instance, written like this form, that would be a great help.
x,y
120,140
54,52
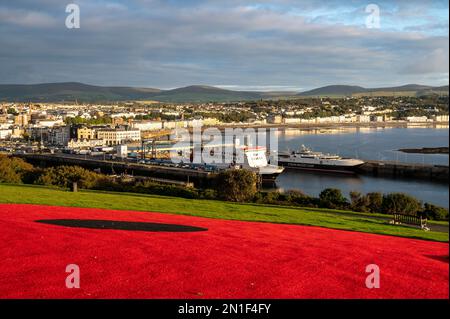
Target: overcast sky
x,y
236,44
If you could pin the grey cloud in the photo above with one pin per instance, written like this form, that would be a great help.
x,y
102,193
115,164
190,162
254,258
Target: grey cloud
x,y
162,46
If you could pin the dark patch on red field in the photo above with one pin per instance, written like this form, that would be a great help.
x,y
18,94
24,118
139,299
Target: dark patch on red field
x,y
120,225
232,259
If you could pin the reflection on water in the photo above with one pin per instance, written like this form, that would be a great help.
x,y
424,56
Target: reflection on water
x,y
375,143
312,183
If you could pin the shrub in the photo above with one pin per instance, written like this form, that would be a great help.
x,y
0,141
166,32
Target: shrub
x,y
236,185
209,194
332,198
294,195
273,197
400,203
64,176
374,202
258,198
299,198
15,170
358,202
150,187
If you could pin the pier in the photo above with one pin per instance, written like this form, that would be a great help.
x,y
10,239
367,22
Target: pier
x,y
438,173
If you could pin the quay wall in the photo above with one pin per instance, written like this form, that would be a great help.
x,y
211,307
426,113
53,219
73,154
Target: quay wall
x,y
437,173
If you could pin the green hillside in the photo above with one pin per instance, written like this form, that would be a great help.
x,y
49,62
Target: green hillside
x,y
358,91
71,91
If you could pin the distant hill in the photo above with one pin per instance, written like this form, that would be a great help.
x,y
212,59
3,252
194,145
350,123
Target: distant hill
x,y
202,93
349,90
332,90
71,91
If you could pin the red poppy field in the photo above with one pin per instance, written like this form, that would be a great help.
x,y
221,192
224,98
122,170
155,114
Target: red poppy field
x,y
125,254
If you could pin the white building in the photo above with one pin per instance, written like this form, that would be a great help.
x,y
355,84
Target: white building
x,y
291,120
441,118
363,118
118,136
195,123
148,125
5,133
416,118
73,143
126,115
50,123
175,124
59,135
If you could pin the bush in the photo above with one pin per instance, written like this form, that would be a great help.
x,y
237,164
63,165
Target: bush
x,y
65,176
15,170
150,187
294,195
435,212
358,202
236,185
400,203
371,202
273,197
301,199
332,198
209,194
374,202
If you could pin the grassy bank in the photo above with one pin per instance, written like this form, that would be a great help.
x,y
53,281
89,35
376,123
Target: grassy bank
x,y
28,194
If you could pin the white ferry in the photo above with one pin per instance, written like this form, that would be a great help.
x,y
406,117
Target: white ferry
x,y
255,160
306,159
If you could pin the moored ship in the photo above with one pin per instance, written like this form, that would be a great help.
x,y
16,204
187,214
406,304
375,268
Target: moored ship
x,y
256,160
307,159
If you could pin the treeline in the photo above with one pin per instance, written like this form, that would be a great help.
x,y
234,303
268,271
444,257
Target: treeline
x,y
232,185
77,120
16,171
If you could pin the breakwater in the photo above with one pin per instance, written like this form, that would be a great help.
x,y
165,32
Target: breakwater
x,y
394,169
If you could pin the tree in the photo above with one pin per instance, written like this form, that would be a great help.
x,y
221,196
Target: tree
x,y
400,203
332,198
12,111
359,202
435,212
236,185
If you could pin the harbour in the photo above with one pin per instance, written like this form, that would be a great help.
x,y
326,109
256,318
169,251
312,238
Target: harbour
x,y
384,167
424,176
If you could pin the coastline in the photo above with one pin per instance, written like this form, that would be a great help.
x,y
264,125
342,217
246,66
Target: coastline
x,y
307,126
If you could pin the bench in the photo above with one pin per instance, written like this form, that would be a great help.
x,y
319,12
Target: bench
x,y
416,220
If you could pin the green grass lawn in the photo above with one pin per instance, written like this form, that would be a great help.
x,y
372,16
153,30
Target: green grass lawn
x,y
29,194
